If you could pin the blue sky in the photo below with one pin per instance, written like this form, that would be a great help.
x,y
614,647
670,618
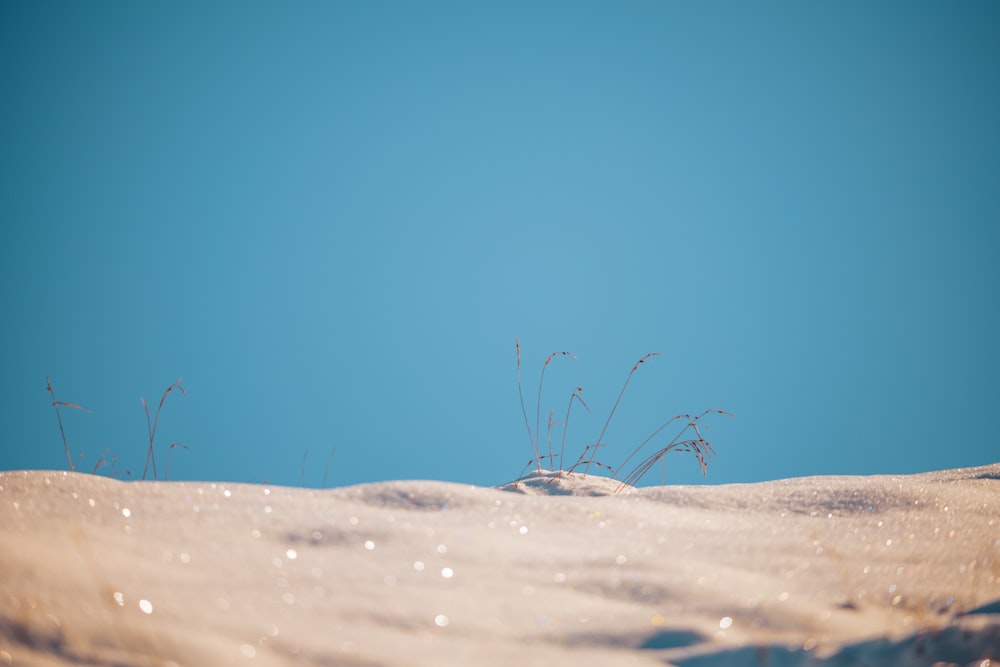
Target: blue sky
x,y
332,219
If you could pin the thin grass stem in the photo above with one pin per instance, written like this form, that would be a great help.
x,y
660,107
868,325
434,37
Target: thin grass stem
x,y
150,456
101,461
692,424
62,431
646,441
329,460
520,393
548,434
534,438
702,450
541,380
604,430
562,447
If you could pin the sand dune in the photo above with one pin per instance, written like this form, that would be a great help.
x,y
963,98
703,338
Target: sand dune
x,y
884,570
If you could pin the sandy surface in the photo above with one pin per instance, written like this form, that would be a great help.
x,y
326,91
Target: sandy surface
x,y
887,570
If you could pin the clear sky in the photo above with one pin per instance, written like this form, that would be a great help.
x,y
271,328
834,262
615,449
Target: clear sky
x,y
333,218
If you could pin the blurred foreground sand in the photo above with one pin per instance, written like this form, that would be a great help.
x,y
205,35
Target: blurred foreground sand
x,y
887,570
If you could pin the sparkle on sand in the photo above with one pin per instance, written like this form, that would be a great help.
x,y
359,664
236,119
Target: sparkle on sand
x,y
892,570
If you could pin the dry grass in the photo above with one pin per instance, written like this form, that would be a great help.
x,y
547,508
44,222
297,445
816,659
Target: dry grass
x,y
538,408
62,431
326,471
150,456
103,461
688,439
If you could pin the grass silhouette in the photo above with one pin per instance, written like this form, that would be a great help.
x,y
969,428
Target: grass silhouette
x,y
62,431
538,407
688,439
150,456
103,461
326,471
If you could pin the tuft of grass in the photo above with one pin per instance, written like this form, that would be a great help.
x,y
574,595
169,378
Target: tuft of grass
x,y
688,440
103,461
698,446
600,438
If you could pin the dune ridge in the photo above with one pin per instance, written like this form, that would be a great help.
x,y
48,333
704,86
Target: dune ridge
x,y
551,569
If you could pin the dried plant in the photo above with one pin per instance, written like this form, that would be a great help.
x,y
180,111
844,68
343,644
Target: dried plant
x,y
698,446
150,456
326,470
103,461
694,443
538,408
62,432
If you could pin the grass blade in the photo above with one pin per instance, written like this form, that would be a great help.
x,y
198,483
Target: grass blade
x,y
520,393
150,456
698,446
329,460
541,379
62,431
535,438
576,395
604,430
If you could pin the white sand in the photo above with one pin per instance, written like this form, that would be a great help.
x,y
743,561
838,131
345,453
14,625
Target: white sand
x,y
828,570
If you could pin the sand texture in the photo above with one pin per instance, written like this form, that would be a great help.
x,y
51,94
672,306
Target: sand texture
x,y
881,570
